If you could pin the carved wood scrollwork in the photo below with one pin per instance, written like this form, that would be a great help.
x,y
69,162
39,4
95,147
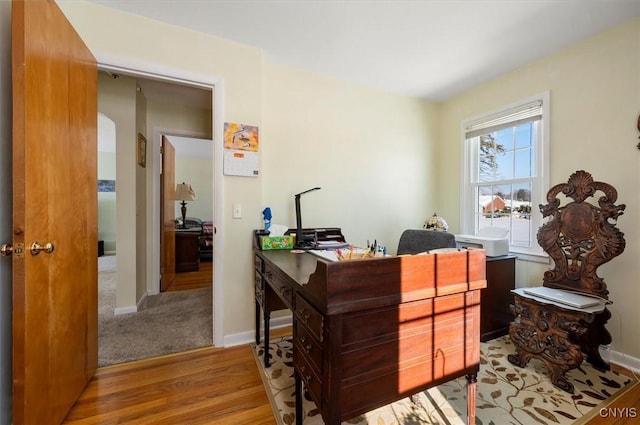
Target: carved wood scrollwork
x,y
580,236
545,332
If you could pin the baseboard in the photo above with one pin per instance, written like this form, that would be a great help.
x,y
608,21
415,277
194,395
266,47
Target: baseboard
x,y
130,308
250,336
625,360
125,310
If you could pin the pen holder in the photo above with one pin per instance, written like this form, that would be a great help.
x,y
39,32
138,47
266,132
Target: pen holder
x,y
346,255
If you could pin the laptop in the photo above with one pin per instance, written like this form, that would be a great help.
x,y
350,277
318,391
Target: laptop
x,y
563,297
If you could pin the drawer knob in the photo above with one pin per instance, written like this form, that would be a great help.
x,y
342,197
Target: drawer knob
x,y
305,378
305,315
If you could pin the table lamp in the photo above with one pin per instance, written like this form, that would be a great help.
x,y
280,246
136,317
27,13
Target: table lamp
x,y
436,223
184,193
300,242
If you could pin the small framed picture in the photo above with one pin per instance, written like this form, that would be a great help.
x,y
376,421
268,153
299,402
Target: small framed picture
x,y
142,150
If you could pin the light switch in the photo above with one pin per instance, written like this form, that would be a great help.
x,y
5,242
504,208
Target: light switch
x,y
237,211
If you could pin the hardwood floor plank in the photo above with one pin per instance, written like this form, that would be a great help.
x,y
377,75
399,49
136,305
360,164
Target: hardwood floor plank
x,y
203,278
211,386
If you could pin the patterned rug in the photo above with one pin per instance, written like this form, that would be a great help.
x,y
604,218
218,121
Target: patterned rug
x,y
506,394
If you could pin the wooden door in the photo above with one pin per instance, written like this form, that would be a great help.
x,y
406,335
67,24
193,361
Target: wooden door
x,y
167,208
55,342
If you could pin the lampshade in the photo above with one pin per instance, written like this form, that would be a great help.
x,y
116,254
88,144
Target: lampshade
x,y
436,223
184,192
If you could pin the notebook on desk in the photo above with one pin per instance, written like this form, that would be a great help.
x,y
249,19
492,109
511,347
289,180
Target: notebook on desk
x,y
563,297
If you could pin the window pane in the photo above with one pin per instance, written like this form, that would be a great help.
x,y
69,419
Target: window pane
x,y
504,138
521,215
505,170
487,158
524,163
524,135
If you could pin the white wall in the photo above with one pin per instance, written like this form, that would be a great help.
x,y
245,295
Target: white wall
x,y
107,202
117,101
595,103
198,172
386,162
373,154
5,213
173,119
144,41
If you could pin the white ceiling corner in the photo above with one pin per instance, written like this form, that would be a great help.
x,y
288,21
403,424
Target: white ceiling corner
x,y
424,48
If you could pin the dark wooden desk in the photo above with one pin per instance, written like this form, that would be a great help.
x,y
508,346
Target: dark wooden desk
x,y
187,250
370,332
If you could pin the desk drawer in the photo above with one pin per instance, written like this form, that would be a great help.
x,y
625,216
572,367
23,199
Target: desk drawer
x,y
282,289
259,264
310,317
308,345
259,288
309,377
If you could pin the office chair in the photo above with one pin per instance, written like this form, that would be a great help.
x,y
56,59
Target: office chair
x,y
418,240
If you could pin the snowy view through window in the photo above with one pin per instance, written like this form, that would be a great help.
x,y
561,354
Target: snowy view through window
x,y
504,181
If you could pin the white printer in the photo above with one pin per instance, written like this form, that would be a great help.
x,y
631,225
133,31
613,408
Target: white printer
x,y
492,239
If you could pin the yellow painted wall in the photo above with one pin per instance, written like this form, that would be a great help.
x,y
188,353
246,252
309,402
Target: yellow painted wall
x,y
371,152
386,162
595,102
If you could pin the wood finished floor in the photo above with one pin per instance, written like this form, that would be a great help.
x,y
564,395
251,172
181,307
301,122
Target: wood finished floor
x,y
202,278
204,386
211,386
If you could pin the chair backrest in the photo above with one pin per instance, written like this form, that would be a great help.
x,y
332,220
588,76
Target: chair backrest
x,y
580,236
415,241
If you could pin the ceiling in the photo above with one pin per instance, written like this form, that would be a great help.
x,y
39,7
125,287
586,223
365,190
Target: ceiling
x,y
429,49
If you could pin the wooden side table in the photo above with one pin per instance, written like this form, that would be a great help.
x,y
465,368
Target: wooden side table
x,y
495,314
187,251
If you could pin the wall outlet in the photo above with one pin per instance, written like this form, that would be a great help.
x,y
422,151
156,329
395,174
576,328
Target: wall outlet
x,y
237,211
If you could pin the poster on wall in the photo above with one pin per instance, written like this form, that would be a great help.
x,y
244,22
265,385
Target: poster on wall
x,y
240,150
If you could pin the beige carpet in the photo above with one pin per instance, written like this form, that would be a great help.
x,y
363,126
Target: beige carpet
x,y
506,394
169,322
107,280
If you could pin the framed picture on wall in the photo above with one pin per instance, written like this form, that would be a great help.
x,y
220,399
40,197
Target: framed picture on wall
x,y
142,150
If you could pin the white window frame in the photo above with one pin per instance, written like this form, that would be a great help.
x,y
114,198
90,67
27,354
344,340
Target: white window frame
x,y
540,183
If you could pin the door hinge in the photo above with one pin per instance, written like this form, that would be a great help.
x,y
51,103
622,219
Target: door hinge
x,y
161,150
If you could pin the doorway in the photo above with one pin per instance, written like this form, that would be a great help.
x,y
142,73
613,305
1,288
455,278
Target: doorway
x,y
157,108
192,212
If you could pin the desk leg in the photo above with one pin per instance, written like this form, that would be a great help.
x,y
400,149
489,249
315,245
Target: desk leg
x,y
298,397
267,318
471,398
257,323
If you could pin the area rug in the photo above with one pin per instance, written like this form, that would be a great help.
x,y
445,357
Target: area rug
x,y
506,394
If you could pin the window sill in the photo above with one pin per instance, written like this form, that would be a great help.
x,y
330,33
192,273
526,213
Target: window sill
x,y
533,257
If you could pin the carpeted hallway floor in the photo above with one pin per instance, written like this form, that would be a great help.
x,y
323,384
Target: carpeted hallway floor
x,y
169,322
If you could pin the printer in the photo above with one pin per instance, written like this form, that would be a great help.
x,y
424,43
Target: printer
x,y
492,239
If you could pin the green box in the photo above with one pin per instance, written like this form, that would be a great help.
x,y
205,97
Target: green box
x,y
276,242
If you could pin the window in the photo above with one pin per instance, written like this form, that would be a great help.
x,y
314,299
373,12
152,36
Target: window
x,y
505,174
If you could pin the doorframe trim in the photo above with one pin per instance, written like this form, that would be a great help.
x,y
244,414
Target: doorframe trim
x,y
133,67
